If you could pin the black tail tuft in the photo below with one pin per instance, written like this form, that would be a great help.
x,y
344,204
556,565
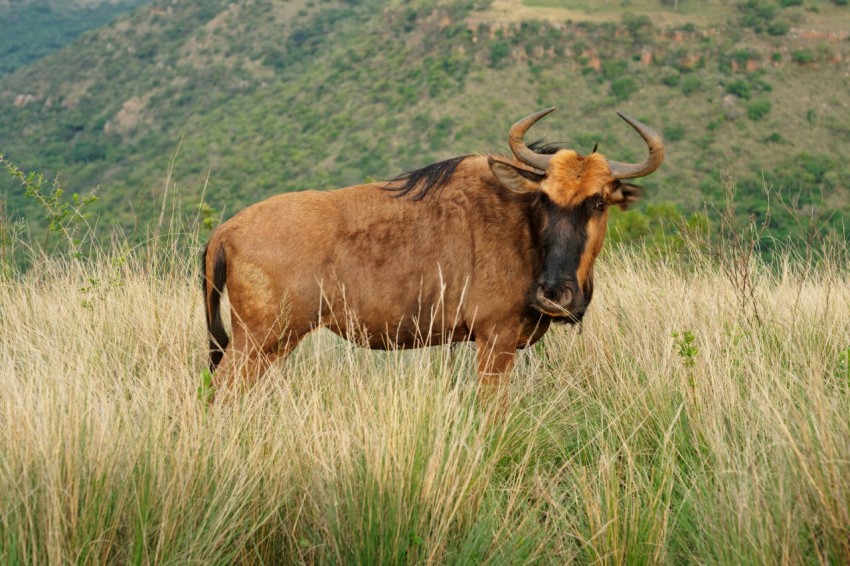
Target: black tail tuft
x,y
215,328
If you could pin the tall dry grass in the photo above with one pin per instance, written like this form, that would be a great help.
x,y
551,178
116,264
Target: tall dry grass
x,y
623,443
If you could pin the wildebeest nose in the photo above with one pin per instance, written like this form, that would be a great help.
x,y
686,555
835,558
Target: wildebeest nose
x,y
560,297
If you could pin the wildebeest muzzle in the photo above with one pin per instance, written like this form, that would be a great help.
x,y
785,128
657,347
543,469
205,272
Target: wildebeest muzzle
x,y
562,300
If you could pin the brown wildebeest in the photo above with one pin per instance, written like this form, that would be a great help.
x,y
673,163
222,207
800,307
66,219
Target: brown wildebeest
x,y
479,247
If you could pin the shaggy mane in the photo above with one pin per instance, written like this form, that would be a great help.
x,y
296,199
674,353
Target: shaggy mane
x,y
419,183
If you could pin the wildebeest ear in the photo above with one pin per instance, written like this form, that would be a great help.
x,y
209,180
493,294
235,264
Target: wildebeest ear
x,y
624,194
516,179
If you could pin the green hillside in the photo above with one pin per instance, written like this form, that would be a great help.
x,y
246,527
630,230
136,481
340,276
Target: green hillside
x,y
254,97
31,29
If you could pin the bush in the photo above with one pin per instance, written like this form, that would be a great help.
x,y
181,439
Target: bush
x,y
803,56
743,56
671,79
639,27
758,109
739,88
789,3
614,68
624,87
499,51
779,27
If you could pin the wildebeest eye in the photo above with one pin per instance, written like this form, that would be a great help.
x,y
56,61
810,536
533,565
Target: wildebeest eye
x,y
600,204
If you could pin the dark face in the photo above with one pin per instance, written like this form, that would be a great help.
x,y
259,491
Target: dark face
x,y
570,237
570,216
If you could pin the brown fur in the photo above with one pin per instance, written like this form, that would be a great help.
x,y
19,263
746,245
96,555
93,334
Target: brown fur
x,y
573,178
389,272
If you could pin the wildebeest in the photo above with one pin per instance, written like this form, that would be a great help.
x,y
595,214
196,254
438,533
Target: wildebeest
x,y
480,247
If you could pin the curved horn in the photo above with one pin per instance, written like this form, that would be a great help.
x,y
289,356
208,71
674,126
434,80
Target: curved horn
x,y
651,163
519,148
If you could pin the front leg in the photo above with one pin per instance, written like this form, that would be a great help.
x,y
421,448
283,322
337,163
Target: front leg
x,y
495,361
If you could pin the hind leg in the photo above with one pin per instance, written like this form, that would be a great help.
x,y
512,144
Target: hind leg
x,y
260,336
246,360
268,320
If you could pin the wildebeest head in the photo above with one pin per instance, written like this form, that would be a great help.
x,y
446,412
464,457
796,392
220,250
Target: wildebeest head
x,y
572,196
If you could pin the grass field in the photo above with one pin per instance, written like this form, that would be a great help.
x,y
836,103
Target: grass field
x,y
727,443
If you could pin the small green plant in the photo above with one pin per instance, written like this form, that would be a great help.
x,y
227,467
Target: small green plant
x,y
89,289
844,365
687,350
62,217
811,116
206,390
95,288
208,215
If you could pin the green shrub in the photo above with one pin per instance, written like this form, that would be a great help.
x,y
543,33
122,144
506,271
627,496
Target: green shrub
x,y
614,68
499,51
779,27
639,27
789,3
743,56
803,56
624,87
739,88
671,80
758,109
756,14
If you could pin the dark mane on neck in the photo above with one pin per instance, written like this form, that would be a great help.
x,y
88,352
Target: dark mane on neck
x,y
420,182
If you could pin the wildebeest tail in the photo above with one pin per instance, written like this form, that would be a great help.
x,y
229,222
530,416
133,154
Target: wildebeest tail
x,y
213,282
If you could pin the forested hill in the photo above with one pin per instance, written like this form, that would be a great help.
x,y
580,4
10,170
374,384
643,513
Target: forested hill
x,y
31,29
253,97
